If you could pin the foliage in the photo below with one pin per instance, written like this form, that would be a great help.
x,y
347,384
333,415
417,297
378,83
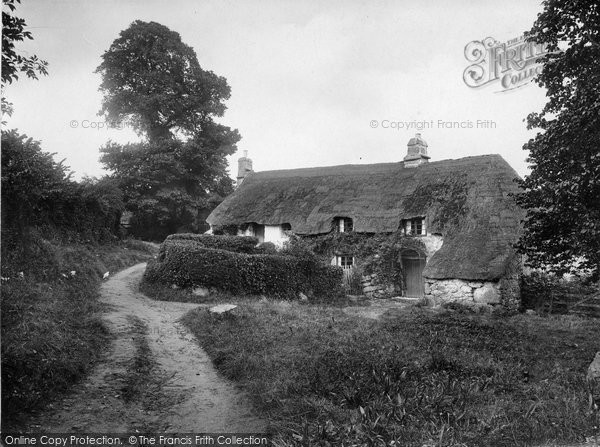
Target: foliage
x,y
30,177
153,81
547,293
416,377
562,226
165,183
13,63
51,332
37,191
538,289
238,244
188,263
377,254
268,248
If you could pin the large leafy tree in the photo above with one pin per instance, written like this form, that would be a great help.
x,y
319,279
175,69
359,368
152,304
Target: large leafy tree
x,y
14,63
562,193
166,183
153,81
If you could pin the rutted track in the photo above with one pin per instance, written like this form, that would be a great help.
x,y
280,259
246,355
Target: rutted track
x,y
185,395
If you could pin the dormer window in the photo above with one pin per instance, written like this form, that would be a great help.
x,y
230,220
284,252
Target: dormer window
x,y
343,224
286,227
414,226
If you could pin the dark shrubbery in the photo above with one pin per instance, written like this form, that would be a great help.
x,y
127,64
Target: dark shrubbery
x,y
238,244
38,192
186,263
548,293
537,289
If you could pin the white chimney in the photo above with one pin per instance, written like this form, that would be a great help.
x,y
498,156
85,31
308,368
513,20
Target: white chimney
x,y
416,153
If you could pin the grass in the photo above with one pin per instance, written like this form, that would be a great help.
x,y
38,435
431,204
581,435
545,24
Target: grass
x,y
141,366
51,330
164,292
144,381
415,377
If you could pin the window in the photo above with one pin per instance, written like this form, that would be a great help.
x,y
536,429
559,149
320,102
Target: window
x,y
286,227
344,261
414,226
343,224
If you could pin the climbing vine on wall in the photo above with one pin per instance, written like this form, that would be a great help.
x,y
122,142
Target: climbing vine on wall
x,y
377,254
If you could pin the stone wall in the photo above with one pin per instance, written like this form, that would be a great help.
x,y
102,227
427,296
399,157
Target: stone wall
x,y
462,291
373,289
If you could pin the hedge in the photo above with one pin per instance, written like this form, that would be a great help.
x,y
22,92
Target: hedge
x,y
188,264
238,244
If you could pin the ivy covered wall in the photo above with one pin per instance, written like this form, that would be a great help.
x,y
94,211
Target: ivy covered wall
x,y
377,256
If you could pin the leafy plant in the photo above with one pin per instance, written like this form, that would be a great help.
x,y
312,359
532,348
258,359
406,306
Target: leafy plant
x,y
154,82
189,263
562,226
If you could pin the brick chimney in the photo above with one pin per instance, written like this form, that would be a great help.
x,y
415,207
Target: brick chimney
x,y
417,152
244,168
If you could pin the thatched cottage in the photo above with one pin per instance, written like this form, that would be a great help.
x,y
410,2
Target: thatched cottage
x,y
461,211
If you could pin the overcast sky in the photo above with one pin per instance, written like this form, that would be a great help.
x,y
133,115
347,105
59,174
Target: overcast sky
x,y
309,79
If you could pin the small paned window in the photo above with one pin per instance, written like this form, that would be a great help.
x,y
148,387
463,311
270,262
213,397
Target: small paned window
x,y
343,225
346,262
414,227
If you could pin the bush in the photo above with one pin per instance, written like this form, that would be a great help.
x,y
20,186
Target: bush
x,y
238,244
547,292
267,248
538,289
186,264
38,192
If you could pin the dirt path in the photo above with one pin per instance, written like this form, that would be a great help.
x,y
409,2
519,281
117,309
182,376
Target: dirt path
x,y
182,394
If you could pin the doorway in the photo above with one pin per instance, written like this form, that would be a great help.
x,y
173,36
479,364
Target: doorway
x,y
413,264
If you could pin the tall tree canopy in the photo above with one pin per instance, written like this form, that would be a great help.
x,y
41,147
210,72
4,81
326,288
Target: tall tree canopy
x,y
153,81
562,193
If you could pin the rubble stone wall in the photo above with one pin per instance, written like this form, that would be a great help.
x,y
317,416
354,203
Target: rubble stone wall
x,y
459,290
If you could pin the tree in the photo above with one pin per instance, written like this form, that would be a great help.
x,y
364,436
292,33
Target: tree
x,y
165,183
153,81
13,63
562,192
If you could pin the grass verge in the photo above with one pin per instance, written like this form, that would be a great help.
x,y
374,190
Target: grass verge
x,y
51,330
162,292
415,377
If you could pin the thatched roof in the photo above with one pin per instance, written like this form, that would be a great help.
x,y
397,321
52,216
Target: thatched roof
x,y
466,201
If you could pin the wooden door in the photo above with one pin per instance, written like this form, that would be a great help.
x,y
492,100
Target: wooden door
x,y
412,266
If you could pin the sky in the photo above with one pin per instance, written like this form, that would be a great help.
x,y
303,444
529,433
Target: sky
x,y
313,83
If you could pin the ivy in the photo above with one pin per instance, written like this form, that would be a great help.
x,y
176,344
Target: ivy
x,y
376,254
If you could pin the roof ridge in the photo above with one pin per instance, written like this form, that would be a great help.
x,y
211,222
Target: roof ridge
x,y
397,164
